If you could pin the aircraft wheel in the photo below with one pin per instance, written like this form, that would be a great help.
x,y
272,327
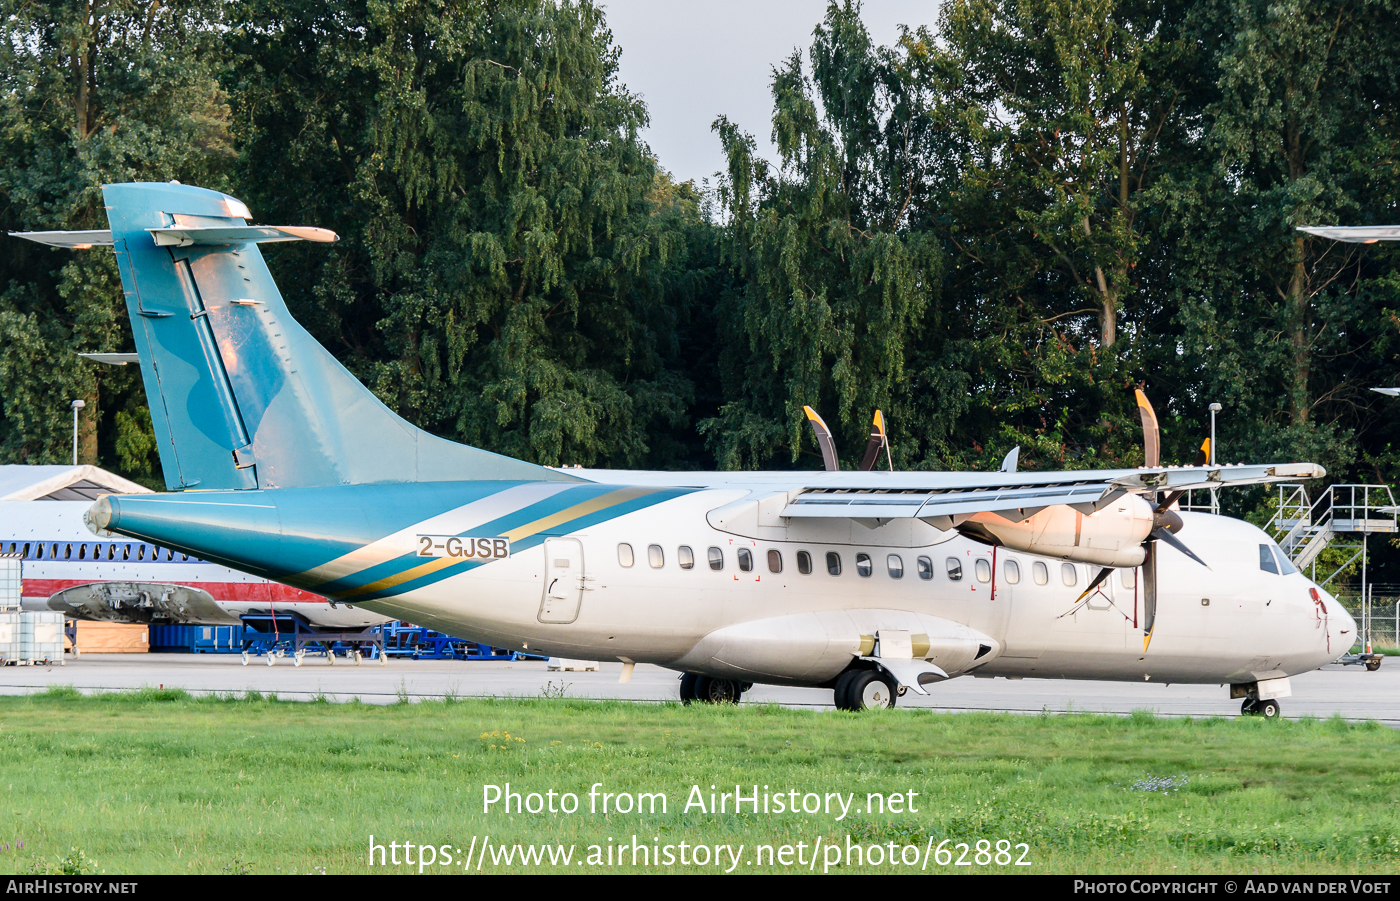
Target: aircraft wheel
x,y
1249,707
870,691
1269,709
841,696
716,691
688,681
271,658
245,658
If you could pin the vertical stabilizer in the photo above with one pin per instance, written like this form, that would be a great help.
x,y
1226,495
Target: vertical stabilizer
x,y
242,396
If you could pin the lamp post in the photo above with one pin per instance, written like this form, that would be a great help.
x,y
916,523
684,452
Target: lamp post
x,y
77,405
1214,501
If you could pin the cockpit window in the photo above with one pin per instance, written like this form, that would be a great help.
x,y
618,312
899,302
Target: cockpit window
x,y
1285,566
1266,559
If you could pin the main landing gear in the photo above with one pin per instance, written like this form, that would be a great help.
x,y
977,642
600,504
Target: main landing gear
x,y
1267,708
707,690
863,689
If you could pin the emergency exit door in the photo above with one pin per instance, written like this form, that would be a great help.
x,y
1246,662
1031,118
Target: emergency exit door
x,y
563,580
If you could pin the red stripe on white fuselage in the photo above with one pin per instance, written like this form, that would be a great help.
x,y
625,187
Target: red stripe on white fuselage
x,y
224,592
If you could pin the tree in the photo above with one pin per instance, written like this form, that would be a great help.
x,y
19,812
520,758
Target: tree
x,y
513,271
829,280
90,93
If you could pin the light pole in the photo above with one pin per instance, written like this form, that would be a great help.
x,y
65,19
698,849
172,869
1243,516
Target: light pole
x,y
1214,501
77,405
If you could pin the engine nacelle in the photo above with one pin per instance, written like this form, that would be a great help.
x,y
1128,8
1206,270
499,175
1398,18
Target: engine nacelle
x,y
1112,536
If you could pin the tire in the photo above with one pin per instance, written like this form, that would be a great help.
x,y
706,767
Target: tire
x,y
841,696
1269,709
1373,664
716,691
688,681
871,691
1250,707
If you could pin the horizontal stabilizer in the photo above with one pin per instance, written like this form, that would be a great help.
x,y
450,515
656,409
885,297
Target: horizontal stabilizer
x,y
246,234
80,240
112,359
1357,234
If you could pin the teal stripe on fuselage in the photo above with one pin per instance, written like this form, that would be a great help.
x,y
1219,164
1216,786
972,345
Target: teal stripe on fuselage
x,y
516,519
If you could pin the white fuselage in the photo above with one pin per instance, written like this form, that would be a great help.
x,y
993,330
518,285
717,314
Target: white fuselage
x,y
60,553
1232,622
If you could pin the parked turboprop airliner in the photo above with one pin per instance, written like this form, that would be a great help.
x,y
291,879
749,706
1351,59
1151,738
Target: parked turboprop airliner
x,y
282,464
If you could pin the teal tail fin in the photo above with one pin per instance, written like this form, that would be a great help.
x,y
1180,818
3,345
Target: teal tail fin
x,y
242,396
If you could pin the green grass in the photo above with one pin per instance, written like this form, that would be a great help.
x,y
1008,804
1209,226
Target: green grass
x,y
158,781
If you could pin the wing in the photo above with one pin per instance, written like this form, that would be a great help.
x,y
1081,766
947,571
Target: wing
x,y
947,498
1357,234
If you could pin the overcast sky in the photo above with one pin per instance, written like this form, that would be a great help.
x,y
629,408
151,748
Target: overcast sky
x,y
692,61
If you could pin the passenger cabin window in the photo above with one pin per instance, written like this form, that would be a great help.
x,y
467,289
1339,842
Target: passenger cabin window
x,y
1266,559
716,557
804,563
624,555
1040,572
1012,571
833,563
745,560
775,561
655,557
863,565
82,552
954,569
895,565
140,552
984,569
1068,574
1127,578
685,557
925,568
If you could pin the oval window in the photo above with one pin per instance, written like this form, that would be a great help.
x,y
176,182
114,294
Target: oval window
x,y
716,557
833,563
1068,574
984,569
685,557
895,564
745,560
1040,572
1012,571
954,569
775,561
655,557
624,555
925,568
82,552
863,566
804,563
140,552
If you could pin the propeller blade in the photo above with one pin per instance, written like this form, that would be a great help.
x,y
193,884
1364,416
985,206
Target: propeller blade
x,y
1202,458
1169,538
1095,583
1203,454
877,441
1008,463
1149,593
823,440
1151,434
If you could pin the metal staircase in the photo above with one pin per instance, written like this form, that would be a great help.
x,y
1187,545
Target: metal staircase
x,y
1341,518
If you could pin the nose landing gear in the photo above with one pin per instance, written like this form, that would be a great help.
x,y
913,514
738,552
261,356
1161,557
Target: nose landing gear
x,y
1268,708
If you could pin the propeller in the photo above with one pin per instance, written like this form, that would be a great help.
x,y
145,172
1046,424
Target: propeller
x,y
878,439
824,439
1166,522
